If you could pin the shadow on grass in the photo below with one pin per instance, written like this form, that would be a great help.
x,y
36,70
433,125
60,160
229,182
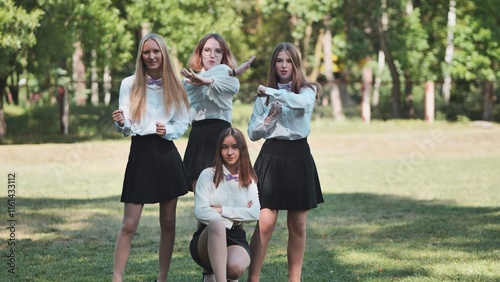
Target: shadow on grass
x,y
368,237
351,237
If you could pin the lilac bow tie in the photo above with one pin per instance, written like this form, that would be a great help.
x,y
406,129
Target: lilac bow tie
x,y
231,177
287,86
154,81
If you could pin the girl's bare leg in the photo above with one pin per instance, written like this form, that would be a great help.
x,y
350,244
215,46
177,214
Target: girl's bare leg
x,y
296,221
167,237
131,217
260,240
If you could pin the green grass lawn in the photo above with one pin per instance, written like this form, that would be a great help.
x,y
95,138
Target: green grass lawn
x,y
404,201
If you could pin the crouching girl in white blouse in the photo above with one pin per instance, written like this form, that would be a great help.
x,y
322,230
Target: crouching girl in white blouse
x,y
226,197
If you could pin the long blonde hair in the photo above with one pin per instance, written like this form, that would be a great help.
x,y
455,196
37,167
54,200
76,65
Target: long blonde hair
x,y
173,90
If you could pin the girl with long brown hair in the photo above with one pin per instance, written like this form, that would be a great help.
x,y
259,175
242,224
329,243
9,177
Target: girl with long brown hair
x,y
226,197
288,179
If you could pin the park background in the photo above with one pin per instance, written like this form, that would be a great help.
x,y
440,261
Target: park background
x,y
406,134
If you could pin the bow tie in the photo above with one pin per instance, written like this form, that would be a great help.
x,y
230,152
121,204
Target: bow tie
x,y
231,177
152,81
287,86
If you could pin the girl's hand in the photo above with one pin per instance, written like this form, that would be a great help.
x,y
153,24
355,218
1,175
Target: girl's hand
x,y
119,117
243,67
261,91
217,208
249,204
161,130
194,79
274,112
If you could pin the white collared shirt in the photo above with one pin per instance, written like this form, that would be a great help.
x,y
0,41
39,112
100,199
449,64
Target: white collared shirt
x,y
292,123
176,121
214,101
229,195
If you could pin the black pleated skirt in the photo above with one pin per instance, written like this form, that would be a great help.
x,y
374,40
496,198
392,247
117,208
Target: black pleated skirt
x,y
200,149
154,172
288,178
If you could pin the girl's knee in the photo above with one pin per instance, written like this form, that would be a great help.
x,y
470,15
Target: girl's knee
x,y
168,225
217,226
235,270
128,227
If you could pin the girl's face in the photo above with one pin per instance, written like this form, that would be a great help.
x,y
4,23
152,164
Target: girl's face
x,y
211,54
230,152
152,58
284,67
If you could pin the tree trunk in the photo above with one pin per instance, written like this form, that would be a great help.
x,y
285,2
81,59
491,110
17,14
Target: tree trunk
x,y
94,88
306,40
449,52
14,88
378,78
381,57
79,75
410,110
338,113
367,77
380,28
429,101
107,86
396,83
313,76
66,112
3,124
488,100
62,97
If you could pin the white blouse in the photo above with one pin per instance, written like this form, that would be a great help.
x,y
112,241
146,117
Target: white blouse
x,y
214,101
292,123
176,121
229,195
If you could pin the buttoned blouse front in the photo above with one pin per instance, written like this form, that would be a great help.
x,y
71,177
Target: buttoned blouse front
x,y
214,101
292,123
176,120
229,195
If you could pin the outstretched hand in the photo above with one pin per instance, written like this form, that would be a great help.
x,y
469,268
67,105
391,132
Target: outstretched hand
x,y
261,91
194,79
243,67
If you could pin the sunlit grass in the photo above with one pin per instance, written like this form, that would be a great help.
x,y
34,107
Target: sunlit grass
x,y
404,201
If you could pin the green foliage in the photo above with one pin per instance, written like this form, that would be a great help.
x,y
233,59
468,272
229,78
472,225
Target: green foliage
x,y
478,50
37,38
17,27
111,40
183,23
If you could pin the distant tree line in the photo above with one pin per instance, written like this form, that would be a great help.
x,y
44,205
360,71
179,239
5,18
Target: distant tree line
x,y
383,55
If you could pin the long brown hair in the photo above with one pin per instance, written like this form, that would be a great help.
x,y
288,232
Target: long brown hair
x,y
298,77
246,173
173,90
196,60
